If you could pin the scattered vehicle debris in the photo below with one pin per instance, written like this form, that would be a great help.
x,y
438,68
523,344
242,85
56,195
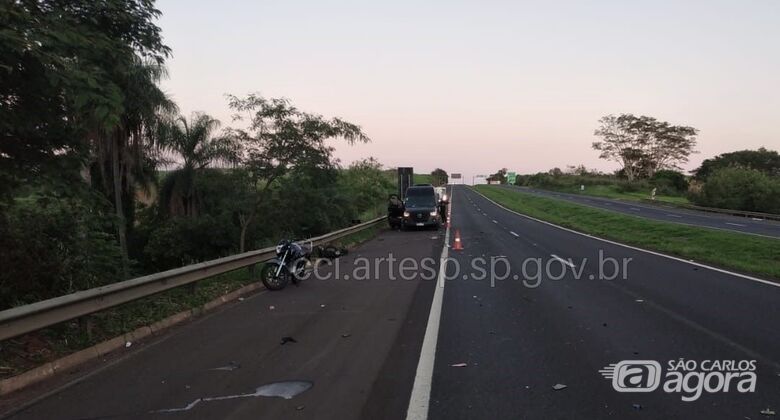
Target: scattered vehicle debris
x,y
559,387
286,340
229,367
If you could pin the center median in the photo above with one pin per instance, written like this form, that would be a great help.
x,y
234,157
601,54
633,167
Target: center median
x,y
751,254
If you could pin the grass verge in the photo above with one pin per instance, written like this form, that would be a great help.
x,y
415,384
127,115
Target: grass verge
x,y
746,253
612,191
31,350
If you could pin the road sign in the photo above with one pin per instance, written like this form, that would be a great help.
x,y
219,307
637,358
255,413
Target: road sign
x,y
511,177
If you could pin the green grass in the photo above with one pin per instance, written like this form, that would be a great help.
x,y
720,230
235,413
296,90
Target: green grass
x,y
741,252
422,178
613,191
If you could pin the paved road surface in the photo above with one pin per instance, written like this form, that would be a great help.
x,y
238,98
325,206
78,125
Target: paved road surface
x,y
368,374
519,342
666,213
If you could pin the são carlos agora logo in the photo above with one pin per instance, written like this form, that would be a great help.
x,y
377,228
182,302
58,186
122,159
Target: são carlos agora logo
x,y
686,377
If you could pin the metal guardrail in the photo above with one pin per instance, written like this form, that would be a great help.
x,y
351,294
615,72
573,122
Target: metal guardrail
x,y
741,213
32,317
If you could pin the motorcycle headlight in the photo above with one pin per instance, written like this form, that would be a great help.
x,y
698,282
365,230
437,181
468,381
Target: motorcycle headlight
x,y
406,214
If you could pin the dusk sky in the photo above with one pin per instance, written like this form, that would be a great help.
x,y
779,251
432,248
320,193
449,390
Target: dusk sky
x,y
474,86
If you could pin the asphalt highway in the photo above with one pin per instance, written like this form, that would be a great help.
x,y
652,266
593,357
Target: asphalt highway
x,y
356,341
665,213
520,343
525,347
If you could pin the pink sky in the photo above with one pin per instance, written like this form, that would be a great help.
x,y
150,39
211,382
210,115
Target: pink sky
x,y
474,86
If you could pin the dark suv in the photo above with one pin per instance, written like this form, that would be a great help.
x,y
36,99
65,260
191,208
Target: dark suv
x,y
421,208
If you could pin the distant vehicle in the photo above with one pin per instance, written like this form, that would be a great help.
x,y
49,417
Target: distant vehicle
x,y
421,207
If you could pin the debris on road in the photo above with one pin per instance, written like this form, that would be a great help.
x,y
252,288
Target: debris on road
x,y
559,387
640,300
346,335
128,344
637,406
241,299
272,307
322,306
285,389
229,367
768,412
460,365
286,340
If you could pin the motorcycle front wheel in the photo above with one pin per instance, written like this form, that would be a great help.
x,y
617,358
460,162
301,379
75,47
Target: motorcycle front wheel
x,y
271,280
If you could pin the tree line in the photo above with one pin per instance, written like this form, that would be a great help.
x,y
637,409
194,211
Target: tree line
x,y
101,179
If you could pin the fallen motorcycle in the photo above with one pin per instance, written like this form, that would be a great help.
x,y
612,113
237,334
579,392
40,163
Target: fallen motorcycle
x,y
290,264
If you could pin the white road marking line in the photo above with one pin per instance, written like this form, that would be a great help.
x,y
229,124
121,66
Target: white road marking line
x,y
569,263
734,224
514,234
494,221
423,378
674,215
709,267
756,219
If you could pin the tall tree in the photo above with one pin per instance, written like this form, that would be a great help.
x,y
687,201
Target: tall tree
x,y
193,142
643,145
439,177
58,66
121,150
620,142
278,139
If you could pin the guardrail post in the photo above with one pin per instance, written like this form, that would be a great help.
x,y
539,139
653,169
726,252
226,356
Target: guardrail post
x,y
86,325
253,272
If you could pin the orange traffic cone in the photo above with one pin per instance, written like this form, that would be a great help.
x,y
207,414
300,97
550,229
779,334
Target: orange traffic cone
x,y
457,246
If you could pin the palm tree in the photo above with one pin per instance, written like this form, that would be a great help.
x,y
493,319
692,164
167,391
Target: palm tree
x,y
192,142
124,150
